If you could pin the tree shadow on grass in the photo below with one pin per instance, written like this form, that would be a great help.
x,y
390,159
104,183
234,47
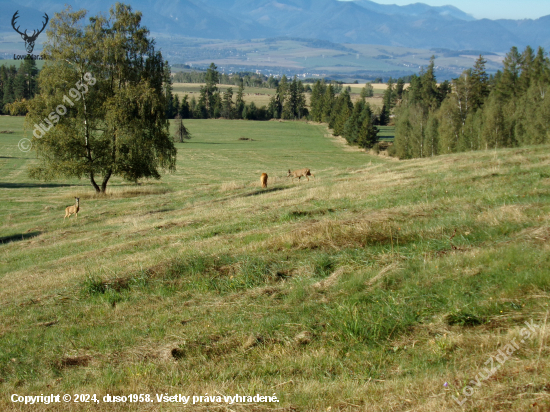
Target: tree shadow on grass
x,y
4,185
208,143
256,193
18,237
261,192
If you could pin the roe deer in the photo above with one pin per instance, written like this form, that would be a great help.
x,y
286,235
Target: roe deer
x,y
300,173
73,209
263,179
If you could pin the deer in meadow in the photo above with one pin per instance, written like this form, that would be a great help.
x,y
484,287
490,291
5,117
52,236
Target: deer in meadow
x,y
263,179
300,173
72,209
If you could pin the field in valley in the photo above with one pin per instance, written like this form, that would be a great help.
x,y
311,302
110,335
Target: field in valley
x,y
326,59
261,96
379,285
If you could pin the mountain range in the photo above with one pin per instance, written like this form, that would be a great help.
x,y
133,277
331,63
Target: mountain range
x,y
356,21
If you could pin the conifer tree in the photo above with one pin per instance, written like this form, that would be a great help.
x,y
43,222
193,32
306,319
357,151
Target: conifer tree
x,y
239,100
209,92
341,112
9,95
328,103
168,92
526,64
290,101
399,88
368,133
316,100
389,101
429,92
506,86
480,84
182,133
227,104
353,123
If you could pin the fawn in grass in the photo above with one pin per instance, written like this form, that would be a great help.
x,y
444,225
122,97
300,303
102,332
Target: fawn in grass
x,y
263,179
300,173
73,209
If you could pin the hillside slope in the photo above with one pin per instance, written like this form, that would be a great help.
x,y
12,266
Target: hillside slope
x,y
378,285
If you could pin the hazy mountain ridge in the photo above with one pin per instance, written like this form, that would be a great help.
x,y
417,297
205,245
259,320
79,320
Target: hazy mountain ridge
x,y
358,21
416,9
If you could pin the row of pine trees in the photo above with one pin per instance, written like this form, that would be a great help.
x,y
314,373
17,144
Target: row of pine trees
x,y
482,112
289,101
355,122
248,79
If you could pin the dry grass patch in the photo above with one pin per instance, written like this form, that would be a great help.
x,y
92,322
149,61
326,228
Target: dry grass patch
x,y
507,213
328,234
535,234
385,271
332,279
121,192
230,186
372,228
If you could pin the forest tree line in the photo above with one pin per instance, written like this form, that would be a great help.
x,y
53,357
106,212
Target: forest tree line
x,y
476,110
355,122
248,79
17,84
330,101
289,101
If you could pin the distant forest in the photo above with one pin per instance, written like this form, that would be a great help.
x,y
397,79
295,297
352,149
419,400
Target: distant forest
x,y
248,79
17,84
329,102
289,101
483,112
472,112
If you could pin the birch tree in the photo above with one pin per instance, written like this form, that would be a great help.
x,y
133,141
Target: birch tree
x,y
101,108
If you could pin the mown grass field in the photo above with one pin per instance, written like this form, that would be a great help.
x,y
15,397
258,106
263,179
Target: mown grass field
x,y
379,285
386,133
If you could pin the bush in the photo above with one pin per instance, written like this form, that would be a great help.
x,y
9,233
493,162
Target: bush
x,y
391,150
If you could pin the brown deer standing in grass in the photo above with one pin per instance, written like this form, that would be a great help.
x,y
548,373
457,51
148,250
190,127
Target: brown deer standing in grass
x,y
263,179
300,173
72,209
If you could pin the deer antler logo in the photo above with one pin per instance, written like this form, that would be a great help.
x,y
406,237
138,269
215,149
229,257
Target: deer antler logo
x,y
29,40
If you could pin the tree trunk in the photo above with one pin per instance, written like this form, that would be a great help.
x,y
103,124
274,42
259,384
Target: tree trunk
x,y
94,184
105,180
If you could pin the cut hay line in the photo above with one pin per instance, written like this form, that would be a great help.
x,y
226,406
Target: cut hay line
x,y
331,280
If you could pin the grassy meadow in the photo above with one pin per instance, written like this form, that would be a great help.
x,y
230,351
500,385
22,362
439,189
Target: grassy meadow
x,y
377,285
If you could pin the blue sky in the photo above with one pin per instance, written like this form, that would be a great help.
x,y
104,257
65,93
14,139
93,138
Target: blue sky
x,y
491,9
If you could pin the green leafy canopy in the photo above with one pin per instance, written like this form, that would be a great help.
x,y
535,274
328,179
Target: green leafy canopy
x,y
110,79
